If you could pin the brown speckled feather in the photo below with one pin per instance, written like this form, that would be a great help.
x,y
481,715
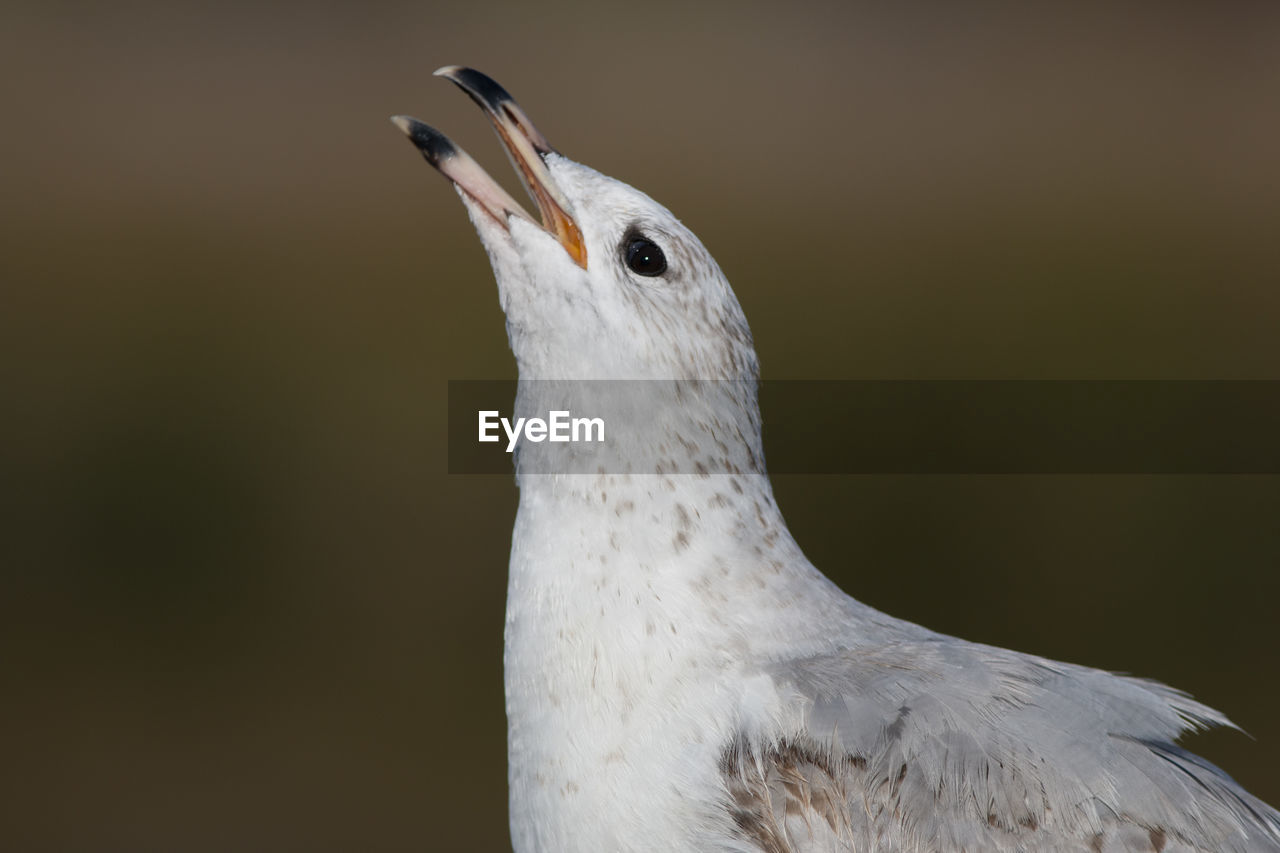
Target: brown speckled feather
x,y
938,744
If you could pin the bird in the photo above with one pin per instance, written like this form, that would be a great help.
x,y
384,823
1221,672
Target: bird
x,y
679,676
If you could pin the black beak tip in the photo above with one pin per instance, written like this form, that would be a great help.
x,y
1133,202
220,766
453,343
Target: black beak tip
x,y
483,89
433,144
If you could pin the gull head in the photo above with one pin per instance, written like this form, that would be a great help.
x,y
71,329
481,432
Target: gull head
x,y
606,283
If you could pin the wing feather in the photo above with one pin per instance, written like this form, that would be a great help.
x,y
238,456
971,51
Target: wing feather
x,y
939,744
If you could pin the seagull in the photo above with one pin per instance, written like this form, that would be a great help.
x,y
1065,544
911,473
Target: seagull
x,y
680,677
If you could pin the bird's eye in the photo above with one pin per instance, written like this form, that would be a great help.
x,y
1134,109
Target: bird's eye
x,y
644,257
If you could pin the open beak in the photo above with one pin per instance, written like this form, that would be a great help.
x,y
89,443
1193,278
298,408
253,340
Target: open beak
x,y
525,146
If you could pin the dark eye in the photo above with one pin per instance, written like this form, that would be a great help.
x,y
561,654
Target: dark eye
x,y
644,257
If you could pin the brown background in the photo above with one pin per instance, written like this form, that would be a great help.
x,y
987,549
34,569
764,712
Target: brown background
x,y
243,607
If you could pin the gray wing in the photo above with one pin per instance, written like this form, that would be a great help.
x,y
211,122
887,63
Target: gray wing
x,y
941,745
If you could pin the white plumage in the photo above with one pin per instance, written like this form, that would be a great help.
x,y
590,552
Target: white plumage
x,y
680,677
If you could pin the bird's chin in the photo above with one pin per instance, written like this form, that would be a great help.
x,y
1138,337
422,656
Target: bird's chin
x,y
494,234
514,243
545,261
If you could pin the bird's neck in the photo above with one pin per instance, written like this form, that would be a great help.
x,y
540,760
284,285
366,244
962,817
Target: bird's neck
x,y
640,570
670,525
636,603
652,520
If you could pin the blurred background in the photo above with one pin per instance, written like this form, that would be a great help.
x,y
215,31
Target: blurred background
x,y
242,605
